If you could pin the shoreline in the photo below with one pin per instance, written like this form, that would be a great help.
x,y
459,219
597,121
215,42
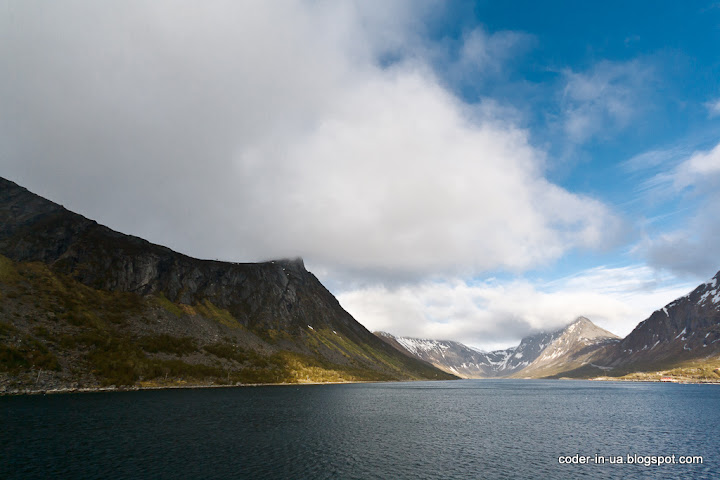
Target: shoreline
x,y
636,380
137,388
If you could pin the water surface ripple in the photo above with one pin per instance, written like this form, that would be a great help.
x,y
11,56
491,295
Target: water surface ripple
x,y
419,430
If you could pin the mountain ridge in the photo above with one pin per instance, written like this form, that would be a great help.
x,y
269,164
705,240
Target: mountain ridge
x,y
65,277
685,329
682,338
535,355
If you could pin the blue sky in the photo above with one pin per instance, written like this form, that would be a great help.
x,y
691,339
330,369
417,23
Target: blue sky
x,y
655,63
658,59
476,171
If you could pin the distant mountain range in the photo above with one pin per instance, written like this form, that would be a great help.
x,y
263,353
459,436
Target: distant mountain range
x,y
455,357
82,305
537,355
682,338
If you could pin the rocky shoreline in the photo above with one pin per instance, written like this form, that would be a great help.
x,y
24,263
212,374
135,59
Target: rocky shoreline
x,y
136,388
648,380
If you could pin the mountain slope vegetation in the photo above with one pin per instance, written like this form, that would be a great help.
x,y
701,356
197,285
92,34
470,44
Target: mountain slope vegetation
x,y
82,306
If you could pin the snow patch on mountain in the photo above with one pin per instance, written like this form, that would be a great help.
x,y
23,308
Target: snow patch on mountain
x,y
536,351
416,345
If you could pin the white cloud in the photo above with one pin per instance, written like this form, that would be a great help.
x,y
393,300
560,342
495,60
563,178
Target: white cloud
x,y
692,249
245,131
604,98
713,108
657,159
700,168
496,314
480,63
665,173
482,53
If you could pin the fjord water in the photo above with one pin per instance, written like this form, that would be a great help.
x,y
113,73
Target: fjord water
x,y
418,430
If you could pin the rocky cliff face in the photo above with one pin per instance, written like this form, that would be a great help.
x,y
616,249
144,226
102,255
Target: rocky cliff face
x,y
275,294
686,328
268,308
539,355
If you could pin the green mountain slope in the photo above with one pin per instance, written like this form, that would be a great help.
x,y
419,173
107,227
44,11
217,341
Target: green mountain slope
x,y
82,305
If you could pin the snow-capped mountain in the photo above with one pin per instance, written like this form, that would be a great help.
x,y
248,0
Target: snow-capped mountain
x,y
450,356
536,355
570,347
688,327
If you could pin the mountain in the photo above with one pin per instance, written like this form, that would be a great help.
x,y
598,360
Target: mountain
x,y
83,305
539,355
680,340
453,357
568,348
685,329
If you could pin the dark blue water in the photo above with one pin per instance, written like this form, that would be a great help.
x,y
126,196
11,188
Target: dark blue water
x,y
423,430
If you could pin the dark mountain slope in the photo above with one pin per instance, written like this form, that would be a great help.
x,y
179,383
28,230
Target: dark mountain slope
x,y
686,328
67,277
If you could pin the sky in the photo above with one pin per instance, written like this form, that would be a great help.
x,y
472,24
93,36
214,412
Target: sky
x,y
474,171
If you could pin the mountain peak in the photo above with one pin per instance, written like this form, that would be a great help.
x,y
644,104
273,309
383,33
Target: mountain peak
x,y
579,322
542,354
296,264
582,321
384,334
685,328
585,328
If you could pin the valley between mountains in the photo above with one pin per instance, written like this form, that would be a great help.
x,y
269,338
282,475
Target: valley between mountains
x,y
680,341
85,307
540,355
